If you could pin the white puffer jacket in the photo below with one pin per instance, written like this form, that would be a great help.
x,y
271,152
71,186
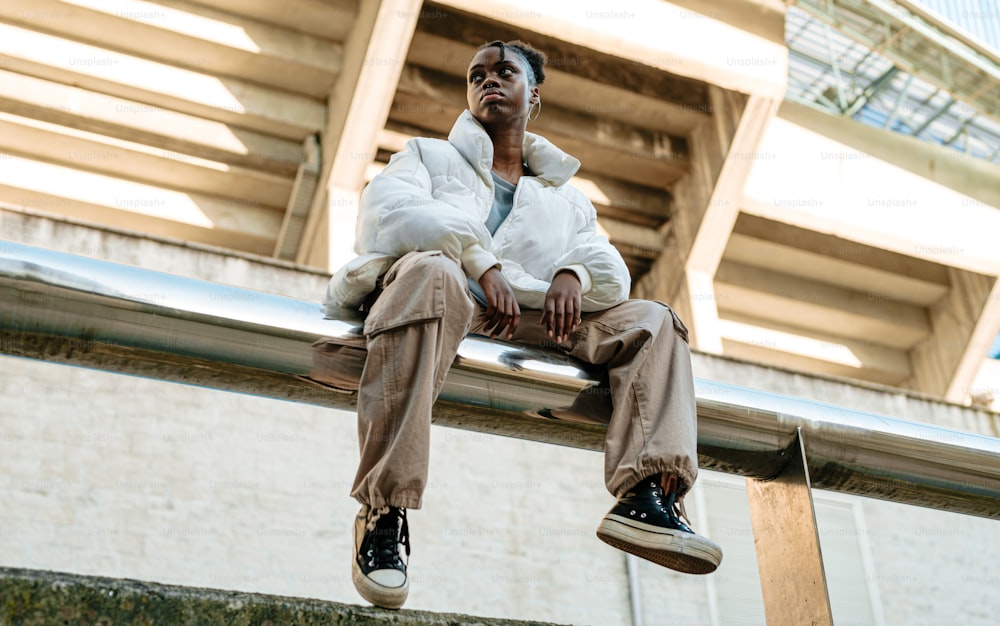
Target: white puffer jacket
x,y
436,195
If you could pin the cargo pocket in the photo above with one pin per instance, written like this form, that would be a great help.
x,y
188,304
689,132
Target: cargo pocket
x,y
416,294
678,324
339,362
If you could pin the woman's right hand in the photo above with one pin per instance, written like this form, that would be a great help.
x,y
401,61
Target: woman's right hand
x,y
502,311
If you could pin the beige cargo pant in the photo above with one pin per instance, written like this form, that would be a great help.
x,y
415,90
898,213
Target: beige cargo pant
x,y
413,331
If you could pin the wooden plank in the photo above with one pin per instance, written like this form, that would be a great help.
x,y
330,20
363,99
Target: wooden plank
x,y
786,538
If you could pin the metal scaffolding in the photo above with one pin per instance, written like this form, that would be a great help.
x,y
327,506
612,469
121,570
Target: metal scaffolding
x,y
893,64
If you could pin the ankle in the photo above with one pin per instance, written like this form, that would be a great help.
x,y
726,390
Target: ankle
x,y
673,483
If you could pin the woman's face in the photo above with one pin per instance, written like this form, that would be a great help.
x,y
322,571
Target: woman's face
x,y
498,91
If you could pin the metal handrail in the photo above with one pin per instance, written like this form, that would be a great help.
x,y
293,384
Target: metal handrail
x,y
70,309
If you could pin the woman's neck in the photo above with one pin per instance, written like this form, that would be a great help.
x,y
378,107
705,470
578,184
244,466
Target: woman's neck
x,y
508,159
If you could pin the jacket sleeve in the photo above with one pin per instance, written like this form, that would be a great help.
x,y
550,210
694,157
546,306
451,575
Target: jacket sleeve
x,y
528,290
602,271
399,214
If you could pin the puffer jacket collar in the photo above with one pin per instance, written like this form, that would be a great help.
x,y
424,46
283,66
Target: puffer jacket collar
x,y
545,161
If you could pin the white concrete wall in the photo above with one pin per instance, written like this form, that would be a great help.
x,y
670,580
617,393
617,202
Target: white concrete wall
x,y
121,476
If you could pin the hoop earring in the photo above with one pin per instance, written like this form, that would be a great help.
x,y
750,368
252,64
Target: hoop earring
x,y
537,112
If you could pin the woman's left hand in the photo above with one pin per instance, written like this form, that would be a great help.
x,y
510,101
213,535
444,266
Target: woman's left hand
x,y
563,306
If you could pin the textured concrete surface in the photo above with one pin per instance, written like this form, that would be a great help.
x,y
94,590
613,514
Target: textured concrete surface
x,y
39,598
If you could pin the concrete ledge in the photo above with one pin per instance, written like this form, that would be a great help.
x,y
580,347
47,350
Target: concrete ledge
x,y
37,598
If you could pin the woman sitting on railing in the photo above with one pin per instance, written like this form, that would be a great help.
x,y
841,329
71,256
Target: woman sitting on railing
x,y
463,236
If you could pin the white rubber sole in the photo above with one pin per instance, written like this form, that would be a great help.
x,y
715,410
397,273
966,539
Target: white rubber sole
x,y
674,549
379,595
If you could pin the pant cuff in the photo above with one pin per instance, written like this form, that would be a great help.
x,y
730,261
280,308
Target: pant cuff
x,y
398,501
686,475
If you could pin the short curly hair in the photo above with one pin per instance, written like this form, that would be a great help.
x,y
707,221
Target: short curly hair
x,y
534,59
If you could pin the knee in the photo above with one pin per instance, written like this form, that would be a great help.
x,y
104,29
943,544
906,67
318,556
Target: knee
x,y
646,314
652,310
655,316
439,267
421,288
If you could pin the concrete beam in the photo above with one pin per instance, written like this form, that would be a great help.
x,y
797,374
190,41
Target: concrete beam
x,y
331,19
763,18
124,159
242,103
191,36
723,150
655,34
697,303
883,275
609,94
635,240
814,306
138,207
141,123
799,349
644,206
965,323
650,158
879,188
374,54
740,125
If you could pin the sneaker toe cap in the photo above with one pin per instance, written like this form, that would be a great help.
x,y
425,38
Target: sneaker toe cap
x,y
388,577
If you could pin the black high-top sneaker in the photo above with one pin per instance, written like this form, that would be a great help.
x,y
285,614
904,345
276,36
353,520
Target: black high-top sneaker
x,y
379,570
651,524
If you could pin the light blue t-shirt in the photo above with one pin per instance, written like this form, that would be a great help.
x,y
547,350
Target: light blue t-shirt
x,y
503,201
